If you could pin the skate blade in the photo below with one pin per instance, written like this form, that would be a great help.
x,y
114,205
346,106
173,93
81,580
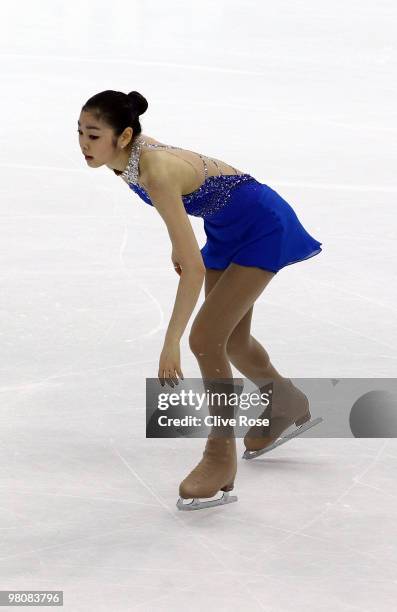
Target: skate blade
x,y
252,454
196,504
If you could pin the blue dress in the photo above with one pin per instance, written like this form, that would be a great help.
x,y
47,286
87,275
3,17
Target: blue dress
x,y
245,221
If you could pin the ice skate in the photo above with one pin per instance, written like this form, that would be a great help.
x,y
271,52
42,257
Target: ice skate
x,y
218,467
215,472
288,406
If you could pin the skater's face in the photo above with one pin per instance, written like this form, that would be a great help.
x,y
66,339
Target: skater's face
x,y
98,142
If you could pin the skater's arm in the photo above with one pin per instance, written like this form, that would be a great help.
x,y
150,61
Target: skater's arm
x,y
164,192
189,288
165,196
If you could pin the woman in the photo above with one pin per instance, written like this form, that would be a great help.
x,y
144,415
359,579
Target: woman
x,y
251,234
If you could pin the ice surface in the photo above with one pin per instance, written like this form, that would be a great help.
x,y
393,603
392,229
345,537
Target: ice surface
x,y
303,96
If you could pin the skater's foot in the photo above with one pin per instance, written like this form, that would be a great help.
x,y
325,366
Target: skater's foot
x,y
218,467
288,405
215,472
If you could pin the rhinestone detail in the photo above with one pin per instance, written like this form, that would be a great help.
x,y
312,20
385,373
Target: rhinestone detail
x,y
130,173
209,198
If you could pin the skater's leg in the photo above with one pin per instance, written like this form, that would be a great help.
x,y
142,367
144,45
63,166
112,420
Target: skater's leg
x,y
243,350
224,307
253,361
225,312
251,358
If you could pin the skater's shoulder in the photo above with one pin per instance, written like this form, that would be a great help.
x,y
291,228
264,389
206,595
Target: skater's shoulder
x,y
157,167
159,171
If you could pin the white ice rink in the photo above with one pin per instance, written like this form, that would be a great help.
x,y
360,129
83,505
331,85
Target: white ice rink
x,y
300,94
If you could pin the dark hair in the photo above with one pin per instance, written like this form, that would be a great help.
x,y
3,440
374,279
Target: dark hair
x,y
118,110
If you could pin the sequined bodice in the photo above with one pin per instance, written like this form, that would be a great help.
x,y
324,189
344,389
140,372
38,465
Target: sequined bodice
x,y
205,201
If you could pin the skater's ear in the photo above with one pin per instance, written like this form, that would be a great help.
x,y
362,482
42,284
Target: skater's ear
x,y
165,195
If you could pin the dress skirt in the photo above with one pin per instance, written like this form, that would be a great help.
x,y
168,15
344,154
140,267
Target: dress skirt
x,y
256,227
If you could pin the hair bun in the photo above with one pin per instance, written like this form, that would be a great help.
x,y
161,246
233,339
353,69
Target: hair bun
x,y
138,102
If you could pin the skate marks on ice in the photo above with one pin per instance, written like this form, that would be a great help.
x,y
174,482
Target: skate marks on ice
x,y
297,432
196,504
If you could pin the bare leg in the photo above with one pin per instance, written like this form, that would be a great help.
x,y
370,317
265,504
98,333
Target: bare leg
x,y
252,360
289,404
243,350
225,305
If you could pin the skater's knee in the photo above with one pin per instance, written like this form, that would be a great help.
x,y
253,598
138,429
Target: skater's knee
x,y
242,345
237,345
202,343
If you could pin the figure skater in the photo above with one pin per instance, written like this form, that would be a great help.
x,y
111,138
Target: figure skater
x,y
252,233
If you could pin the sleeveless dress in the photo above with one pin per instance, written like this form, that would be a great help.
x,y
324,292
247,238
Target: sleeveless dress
x,y
245,221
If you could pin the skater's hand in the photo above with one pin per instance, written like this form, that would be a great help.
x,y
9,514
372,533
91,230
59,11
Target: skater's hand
x,y
170,364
